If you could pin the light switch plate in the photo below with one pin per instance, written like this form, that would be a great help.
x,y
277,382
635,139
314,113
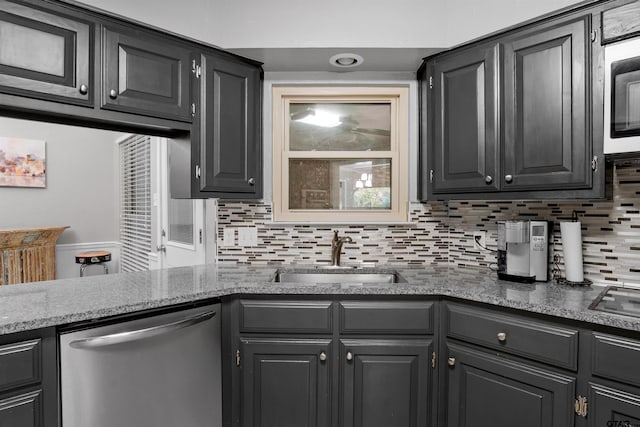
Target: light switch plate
x,y
229,237
247,236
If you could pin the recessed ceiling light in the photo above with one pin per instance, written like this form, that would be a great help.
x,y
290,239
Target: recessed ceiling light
x,y
346,60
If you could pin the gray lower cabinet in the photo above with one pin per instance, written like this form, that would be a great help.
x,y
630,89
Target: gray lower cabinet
x,y
342,363
614,386
385,382
28,384
286,382
45,52
483,389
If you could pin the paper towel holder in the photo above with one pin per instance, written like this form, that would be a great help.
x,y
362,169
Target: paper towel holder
x,y
556,272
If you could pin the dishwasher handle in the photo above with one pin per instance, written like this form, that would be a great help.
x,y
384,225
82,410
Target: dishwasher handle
x,y
128,336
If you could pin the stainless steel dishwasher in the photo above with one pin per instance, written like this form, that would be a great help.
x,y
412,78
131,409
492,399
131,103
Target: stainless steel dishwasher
x,y
158,371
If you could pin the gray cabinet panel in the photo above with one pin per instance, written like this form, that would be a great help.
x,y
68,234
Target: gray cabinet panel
x,y
611,407
24,410
486,390
546,82
20,364
230,148
286,383
616,358
620,22
145,74
464,107
386,317
385,383
45,54
286,316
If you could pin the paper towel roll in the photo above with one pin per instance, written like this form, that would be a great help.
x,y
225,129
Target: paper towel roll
x,y
572,250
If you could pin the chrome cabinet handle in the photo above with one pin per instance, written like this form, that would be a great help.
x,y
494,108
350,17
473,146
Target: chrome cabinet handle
x,y
128,336
349,356
323,356
451,361
502,337
488,179
508,178
252,181
113,94
84,89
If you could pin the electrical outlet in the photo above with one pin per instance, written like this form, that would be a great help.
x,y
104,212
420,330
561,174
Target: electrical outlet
x,y
479,240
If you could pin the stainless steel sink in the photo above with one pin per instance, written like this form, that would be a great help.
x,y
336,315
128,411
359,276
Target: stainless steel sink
x,y
337,276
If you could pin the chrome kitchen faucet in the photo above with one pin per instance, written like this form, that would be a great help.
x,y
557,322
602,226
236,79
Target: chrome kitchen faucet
x,y
336,247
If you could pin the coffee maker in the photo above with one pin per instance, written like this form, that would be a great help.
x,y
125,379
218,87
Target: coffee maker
x,y
523,250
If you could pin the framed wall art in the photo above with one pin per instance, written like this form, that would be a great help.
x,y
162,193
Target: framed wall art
x,y
22,162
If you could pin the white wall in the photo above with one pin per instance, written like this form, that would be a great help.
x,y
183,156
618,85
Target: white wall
x,y
82,183
331,23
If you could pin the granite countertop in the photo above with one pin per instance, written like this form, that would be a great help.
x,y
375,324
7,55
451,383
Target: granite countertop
x,y
42,304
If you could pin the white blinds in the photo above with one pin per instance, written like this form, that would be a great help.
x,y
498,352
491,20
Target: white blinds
x,y
135,203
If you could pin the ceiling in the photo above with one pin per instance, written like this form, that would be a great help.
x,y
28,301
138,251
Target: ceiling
x,y
317,59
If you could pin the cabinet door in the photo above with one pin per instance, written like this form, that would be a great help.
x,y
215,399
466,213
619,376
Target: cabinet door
x,y
44,54
145,74
286,382
464,112
486,390
386,383
547,142
612,407
230,148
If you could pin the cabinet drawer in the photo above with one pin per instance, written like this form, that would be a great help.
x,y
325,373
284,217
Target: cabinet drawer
x,y
20,364
616,358
378,317
23,410
286,316
514,334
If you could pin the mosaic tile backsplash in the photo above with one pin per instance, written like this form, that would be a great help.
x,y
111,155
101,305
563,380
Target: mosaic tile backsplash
x,y
442,233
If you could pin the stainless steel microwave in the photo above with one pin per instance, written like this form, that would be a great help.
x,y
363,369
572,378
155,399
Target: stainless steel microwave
x,y
622,97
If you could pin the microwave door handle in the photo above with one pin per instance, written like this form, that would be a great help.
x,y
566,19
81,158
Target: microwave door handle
x,y
128,336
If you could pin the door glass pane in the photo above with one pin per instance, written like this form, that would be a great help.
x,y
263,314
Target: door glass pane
x,y
181,221
340,184
340,127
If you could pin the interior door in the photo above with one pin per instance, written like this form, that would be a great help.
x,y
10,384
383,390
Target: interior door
x,y
181,232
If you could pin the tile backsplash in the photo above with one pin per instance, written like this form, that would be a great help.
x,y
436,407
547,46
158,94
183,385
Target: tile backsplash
x,y
442,233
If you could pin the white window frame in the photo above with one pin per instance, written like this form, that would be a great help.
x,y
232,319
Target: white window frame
x,y
396,96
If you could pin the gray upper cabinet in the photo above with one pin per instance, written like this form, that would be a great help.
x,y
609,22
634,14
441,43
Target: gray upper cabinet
x,y
145,74
511,116
463,110
45,53
230,160
546,81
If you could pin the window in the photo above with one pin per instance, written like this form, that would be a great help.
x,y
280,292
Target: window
x,y
340,154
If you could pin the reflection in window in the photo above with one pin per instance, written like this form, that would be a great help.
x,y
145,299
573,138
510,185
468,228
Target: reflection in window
x,y
340,127
340,184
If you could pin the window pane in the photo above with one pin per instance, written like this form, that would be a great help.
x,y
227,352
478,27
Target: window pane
x,y
181,221
340,127
340,184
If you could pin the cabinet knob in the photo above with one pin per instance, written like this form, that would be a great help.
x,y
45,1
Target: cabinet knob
x,y
113,94
451,361
323,356
349,356
84,89
502,337
508,178
252,181
488,179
